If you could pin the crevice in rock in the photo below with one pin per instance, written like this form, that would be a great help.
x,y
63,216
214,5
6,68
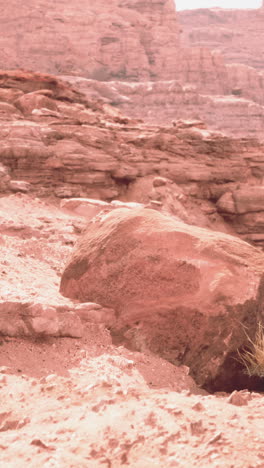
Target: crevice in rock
x,y
233,376
122,184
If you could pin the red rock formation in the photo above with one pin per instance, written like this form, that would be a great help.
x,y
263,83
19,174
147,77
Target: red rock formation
x,y
124,39
82,148
138,42
13,84
161,102
181,292
237,34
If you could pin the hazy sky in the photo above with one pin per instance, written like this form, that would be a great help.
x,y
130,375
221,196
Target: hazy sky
x,y
186,4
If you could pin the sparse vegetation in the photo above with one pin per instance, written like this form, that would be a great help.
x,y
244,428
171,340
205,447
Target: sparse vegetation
x,y
253,358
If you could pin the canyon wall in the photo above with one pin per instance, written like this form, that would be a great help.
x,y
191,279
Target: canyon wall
x,y
120,39
162,102
237,34
55,142
140,42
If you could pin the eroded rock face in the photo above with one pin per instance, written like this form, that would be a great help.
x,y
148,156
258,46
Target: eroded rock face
x,y
202,97
125,39
17,83
79,147
137,42
182,292
244,209
237,34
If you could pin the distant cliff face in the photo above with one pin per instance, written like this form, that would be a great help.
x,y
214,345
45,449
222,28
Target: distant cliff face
x,y
237,34
140,41
123,39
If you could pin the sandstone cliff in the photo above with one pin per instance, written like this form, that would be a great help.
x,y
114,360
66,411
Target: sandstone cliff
x,y
121,39
59,143
161,102
237,34
138,42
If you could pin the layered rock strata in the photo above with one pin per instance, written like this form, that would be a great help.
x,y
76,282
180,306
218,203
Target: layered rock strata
x,y
127,39
88,149
237,34
162,102
136,42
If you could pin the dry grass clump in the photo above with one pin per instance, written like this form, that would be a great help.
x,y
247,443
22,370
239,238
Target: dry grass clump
x,y
253,358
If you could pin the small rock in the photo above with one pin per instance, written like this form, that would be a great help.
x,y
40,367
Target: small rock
x,y
19,186
5,370
3,379
215,438
41,444
186,393
11,424
92,312
51,378
70,325
198,406
239,398
121,362
50,387
197,428
159,181
42,319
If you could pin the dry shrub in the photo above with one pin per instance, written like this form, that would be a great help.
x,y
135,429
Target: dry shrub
x,y
253,358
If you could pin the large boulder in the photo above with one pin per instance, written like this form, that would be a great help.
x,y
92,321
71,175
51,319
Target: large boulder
x,y
183,292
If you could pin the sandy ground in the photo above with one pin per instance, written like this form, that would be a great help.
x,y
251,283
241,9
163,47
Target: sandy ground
x,y
84,402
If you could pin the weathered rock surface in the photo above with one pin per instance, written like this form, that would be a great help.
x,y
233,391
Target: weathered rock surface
x,y
14,85
237,34
162,102
88,149
89,208
18,319
181,292
40,320
36,238
243,208
127,39
137,42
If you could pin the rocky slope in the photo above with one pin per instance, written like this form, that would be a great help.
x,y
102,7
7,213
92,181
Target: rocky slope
x,y
60,143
